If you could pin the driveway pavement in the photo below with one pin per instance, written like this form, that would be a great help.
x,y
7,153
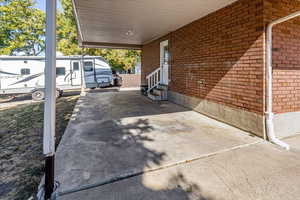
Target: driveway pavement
x,y
137,149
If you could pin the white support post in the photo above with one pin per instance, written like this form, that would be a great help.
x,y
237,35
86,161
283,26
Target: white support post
x,y
149,86
83,86
152,82
50,97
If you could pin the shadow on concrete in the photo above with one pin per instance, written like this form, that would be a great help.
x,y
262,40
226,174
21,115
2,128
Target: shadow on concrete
x,y
123,104
126,153
69,93
103,90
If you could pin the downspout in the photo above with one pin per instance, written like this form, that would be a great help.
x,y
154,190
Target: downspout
x,y
269,86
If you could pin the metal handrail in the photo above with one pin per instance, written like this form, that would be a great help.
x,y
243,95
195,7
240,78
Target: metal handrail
x,y
158,69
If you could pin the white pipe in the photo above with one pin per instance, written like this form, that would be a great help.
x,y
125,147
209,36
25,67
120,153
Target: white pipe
x,y
269,86
50,80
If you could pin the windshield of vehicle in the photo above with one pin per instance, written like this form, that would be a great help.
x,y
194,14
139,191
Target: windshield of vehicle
x,y
104,72
88,66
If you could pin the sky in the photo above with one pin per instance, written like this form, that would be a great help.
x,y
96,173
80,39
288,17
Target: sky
x,y
41,4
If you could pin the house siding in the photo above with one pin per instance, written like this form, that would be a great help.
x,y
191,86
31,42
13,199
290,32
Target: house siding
x,y
151,57
286,66
286,51
220,60
220,57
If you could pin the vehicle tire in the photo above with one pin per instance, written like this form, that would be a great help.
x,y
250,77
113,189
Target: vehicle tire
x,y
38,95
57,94
61,92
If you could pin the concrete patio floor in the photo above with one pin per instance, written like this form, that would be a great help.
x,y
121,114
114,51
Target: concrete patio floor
x,y
171,152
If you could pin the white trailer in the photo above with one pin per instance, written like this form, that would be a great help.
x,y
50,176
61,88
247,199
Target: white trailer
x,y
25,74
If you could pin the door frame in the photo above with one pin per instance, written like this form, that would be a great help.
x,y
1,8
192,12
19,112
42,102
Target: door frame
x,y
163,66
77,74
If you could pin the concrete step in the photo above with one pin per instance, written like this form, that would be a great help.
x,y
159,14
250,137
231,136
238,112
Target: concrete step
x,y
154,97
162,93
158,91
162,86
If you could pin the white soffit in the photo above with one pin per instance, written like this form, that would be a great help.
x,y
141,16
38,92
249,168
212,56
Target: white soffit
x,y
131,23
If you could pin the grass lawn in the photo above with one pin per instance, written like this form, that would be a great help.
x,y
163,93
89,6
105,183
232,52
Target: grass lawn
x,y
21,157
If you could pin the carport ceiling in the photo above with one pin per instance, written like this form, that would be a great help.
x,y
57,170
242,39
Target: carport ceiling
x,y
131,23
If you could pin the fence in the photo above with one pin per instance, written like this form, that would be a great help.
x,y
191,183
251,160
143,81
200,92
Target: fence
x,y
131,80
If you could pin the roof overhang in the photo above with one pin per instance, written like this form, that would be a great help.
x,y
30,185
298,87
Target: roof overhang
x,y
131,23
110,45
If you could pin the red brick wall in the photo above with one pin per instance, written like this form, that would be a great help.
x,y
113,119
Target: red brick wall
x,y
151,57
219,57
286,55
131,80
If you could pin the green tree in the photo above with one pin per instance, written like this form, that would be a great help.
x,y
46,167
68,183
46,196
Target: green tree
x,y
22,28
122,59
66,30
68,43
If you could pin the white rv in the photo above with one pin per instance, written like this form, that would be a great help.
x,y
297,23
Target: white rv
x,y
25,74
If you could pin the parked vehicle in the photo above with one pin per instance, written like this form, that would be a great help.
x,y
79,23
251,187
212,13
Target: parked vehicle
x,y
117,80
25,74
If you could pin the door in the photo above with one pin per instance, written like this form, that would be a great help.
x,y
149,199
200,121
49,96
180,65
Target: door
x,y
90,74
164,62
61,75
75,73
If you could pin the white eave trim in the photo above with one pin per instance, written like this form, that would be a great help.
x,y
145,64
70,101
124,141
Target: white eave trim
x,y
77,22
